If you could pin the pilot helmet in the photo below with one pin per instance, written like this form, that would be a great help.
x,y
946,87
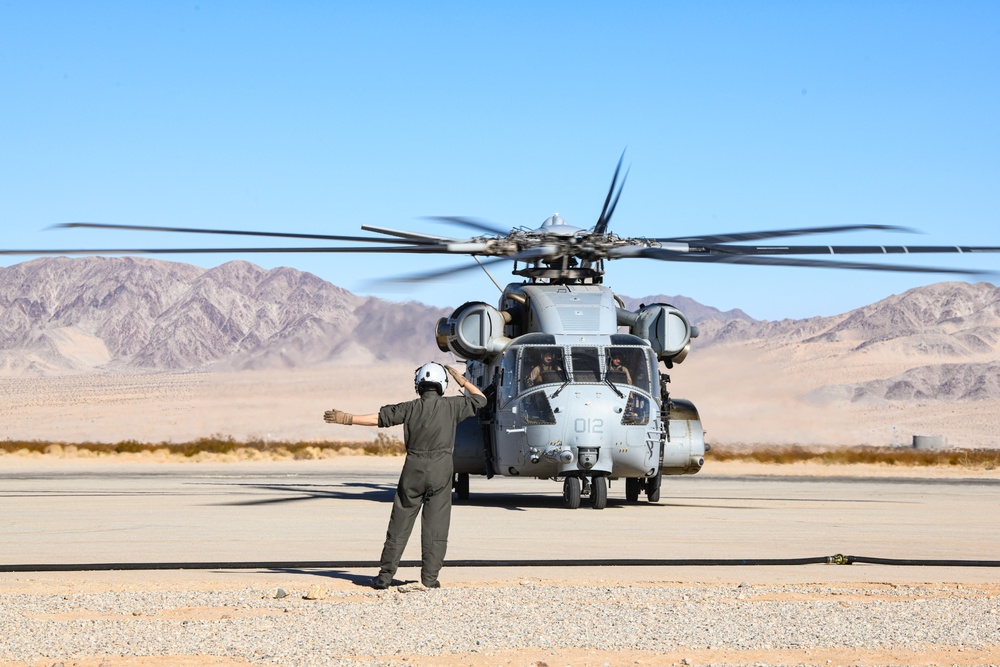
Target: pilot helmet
x,y
431,376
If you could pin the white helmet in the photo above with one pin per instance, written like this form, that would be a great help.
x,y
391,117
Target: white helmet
x,y
432,374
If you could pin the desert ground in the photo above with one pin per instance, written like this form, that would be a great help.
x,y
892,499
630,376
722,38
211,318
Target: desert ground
x,y
871,614
744,396
137,508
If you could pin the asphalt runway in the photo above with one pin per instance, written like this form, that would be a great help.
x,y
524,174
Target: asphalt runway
x,y
82,511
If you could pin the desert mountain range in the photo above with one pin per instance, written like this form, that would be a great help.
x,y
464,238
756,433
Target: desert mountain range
x,y
128,338
61,315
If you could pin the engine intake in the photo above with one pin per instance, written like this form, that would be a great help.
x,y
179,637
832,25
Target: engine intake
x,y
665,327
474,331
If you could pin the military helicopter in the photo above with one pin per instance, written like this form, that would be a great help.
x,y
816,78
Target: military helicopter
x,y
576,383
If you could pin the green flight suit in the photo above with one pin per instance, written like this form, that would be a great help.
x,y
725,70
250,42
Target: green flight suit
x,y
429,435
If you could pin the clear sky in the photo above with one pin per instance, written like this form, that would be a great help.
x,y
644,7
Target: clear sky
x,y
323,116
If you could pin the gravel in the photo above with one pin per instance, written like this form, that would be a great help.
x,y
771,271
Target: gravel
x,y
366,627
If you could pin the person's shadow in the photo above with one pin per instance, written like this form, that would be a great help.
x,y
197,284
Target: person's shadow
x,y
363,580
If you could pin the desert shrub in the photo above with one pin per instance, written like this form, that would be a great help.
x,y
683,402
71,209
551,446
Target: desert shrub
x,y
385,445
894,456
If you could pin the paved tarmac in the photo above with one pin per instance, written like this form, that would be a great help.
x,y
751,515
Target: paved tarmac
x,y
56,511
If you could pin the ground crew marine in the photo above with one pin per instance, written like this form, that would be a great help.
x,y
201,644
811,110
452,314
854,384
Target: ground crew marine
x,y
425,482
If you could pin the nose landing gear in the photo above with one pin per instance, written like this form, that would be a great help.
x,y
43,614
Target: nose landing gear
x,y
575,487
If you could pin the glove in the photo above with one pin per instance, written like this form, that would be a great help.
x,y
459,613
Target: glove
x,y
338,417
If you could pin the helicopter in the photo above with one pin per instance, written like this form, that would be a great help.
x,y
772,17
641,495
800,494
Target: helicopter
x,y
577,384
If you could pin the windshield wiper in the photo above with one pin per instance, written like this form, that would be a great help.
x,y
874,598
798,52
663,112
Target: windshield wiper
x,y
611,384
560,388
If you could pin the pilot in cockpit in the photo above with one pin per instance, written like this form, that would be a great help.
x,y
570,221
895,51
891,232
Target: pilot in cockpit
x,y
549,369
617,371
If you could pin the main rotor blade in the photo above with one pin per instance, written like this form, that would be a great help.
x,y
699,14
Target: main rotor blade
x,y
774,234
414,237
469,222
420,249
194,230
674,256
609,207
438,273
842,249
531,253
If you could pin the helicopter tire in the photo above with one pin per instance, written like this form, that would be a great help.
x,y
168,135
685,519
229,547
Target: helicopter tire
x,y
599,492
462,486
653,488
571,492
632,489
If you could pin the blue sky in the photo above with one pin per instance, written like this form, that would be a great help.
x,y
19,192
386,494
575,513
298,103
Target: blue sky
x,y
323,116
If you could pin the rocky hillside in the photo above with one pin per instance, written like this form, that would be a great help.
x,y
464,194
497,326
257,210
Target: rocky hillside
x,y
60,315
953,319
946,337
694,311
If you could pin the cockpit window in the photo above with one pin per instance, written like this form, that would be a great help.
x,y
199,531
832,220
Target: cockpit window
x,y
542,365
586,364
626,366
636,410
536,410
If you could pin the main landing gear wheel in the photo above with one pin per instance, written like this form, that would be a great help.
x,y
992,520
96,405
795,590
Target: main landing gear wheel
x,y
632,489
599,492
571,492
653,488
462,486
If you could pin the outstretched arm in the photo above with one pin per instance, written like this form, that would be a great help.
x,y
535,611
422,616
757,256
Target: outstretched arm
x,y
347,419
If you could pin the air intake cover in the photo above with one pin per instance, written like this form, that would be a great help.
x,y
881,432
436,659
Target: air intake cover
x,y
473,331
666,328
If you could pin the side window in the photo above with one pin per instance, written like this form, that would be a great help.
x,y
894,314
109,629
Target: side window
x,y
653,364
541,365
586,365
507,384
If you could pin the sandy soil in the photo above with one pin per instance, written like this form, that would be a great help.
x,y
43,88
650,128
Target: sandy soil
x,y
308,612
957,656
759,396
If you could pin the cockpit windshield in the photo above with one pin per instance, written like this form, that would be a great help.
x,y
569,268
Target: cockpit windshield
x,y
618,365
586,364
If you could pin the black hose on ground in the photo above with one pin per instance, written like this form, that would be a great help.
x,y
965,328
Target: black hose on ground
x,y
586,562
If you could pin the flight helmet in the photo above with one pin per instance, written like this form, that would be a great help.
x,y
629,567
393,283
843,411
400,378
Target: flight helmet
x,y
431,376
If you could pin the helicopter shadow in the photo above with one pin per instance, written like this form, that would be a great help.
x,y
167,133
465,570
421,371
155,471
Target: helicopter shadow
x,y
522,502
378,493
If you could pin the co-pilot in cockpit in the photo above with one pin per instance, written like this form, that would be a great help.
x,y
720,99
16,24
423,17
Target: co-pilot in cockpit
x,y
617,371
